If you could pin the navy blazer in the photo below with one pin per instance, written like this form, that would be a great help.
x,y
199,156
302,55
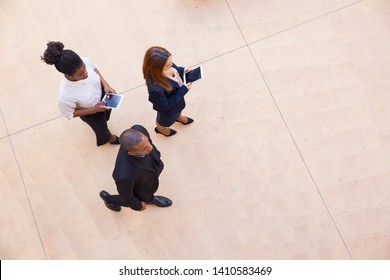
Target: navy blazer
x,y
168,103
135,180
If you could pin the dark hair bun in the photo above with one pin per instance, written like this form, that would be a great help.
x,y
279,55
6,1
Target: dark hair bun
x,y
53,52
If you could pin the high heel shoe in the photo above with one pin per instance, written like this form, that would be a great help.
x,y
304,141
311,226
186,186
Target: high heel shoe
x,y
189,120
171,132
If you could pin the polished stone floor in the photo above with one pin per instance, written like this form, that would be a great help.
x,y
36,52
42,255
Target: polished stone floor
x,y
288,157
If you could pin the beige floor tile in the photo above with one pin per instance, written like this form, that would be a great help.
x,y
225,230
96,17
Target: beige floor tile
x,y
260,19
332,96
19,237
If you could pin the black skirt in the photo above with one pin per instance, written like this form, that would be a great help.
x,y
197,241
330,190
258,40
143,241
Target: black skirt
x,y
167,121
98,123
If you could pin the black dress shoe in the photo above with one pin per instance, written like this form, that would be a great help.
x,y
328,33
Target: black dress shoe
x,y
171,132
116,141
103,195
189,120
160,201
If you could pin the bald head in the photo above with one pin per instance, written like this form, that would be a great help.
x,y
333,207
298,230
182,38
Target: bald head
x,y
130,138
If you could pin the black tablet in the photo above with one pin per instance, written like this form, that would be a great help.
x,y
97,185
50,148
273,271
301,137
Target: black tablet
x,y
112,101
193,75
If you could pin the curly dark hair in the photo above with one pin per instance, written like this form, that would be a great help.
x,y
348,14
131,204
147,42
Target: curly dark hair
x,y
65,61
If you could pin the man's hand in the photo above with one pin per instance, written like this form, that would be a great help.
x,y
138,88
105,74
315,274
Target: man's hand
x,y
143,206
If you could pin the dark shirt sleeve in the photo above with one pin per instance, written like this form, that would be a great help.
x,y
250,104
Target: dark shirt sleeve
x,y
126,191
163,101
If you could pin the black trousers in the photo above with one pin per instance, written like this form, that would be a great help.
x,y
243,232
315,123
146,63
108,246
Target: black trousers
x,y
118,200
98,123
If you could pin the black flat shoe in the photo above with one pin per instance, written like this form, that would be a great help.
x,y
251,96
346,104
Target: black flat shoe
x,y
116,141
160,201
172,132
189,120
103,195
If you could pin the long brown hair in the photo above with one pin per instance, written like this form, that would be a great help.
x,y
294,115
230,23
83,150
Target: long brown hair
x,y
154,62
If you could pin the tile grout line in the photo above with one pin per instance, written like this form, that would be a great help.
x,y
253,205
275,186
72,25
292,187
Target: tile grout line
x,y
52,119
130,89
35,125
220,55
303,23
285,123
24,184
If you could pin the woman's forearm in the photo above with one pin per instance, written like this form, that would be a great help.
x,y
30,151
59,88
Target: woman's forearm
x,y
83,112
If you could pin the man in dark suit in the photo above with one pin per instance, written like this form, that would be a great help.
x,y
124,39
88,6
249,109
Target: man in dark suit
x,y
137,168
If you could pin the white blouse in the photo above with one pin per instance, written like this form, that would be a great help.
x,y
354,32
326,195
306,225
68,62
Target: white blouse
x,y
176,77
80,94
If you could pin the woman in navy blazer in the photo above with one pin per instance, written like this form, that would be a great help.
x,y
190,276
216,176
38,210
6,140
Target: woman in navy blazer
x,y
166,89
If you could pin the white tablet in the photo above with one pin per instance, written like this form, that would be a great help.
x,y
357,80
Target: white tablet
x,y
112,101
193,75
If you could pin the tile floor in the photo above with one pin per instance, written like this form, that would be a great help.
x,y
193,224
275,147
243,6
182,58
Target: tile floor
x,y
288,158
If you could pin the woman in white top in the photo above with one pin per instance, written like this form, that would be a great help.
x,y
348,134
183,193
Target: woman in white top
x,y
81,91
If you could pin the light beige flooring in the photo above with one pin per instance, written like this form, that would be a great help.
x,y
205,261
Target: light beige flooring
x,y
288,158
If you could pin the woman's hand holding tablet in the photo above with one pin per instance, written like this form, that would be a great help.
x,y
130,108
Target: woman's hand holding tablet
x,y
112,101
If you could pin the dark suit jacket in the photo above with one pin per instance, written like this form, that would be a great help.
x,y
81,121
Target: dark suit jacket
x,y
168,103
135,180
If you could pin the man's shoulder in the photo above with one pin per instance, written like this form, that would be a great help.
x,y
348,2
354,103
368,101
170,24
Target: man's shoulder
x,y
123,167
